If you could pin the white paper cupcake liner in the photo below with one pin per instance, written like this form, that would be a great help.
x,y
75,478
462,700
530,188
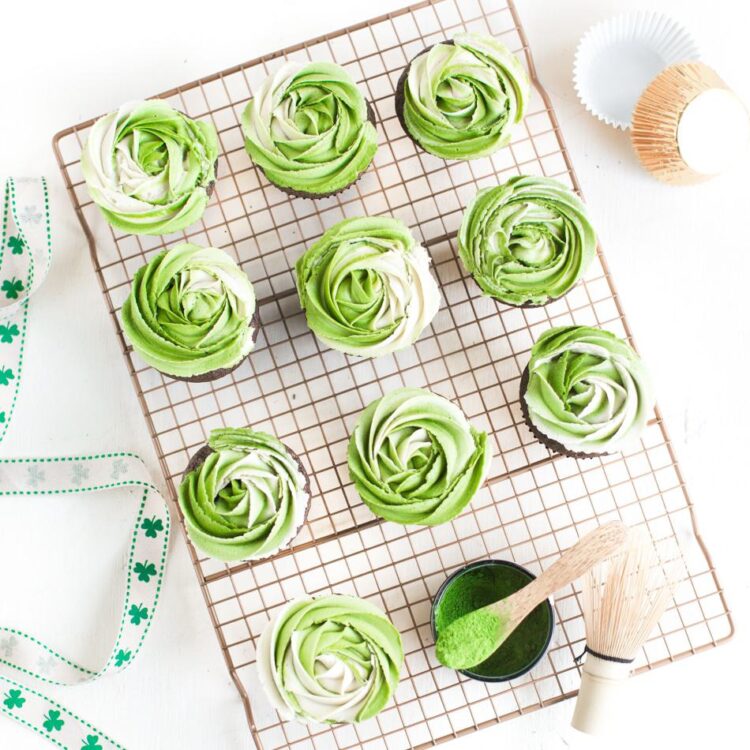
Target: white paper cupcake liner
x,y
617,58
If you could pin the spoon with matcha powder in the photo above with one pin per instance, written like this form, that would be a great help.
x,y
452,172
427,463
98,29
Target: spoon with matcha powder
x,y
471,639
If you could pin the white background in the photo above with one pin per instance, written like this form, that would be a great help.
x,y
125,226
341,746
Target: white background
x,y
680,258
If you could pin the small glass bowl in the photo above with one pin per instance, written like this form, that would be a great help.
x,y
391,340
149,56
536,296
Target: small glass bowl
x,y
509,564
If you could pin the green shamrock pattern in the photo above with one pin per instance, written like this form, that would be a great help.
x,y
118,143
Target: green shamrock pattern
x,y
144,570
16,244
52,721
91,743
12,287
14,699
122,657
137,613
152,526
6,375
8,332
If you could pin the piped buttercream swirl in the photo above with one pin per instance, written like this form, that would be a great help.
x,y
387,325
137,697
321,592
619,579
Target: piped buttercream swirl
x,y
332,659
366,286
150,168
246,499
587,390
415,459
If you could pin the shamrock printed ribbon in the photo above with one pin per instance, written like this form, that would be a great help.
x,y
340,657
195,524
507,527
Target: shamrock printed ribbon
x,y
25,254
22,655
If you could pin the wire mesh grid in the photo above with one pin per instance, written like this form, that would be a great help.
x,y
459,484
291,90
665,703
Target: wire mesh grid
x,y
534,504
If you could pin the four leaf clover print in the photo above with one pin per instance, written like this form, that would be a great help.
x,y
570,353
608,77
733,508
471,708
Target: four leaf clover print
x,y
14,699
121,657
91,743
8,332
6,375
12,287
152,526
16,244
8,646
144,570
119,467
36,476
137,613
80,472
30,215
52,721
45,665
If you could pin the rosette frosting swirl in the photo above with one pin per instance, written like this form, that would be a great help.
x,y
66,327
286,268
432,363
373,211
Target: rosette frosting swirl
x,y
415,459
247,498
587,390
527,241
331,659
307,128
191,311
149,168
366,286
461,100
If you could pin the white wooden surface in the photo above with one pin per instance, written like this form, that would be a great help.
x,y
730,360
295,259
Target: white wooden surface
x,y
680,258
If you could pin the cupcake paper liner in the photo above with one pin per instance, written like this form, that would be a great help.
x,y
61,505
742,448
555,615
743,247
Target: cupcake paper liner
x,y
688,125
617,58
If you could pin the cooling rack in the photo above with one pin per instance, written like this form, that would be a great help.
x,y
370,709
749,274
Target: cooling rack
x,y
534,505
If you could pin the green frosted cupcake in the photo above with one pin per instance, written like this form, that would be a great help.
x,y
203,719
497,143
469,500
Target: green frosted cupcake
x,y
329,660
526,242
149,168
310,129
585,391
460,99
415,459
244,496
366,287
191,313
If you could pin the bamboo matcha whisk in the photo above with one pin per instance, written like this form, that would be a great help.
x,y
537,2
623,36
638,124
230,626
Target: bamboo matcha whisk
x,y
623,599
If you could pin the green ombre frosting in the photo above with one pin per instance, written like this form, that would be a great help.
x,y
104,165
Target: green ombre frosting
x,y
415,459
190,311
527,241
587,389
332,659
247,499
307,128
462,99
150,168
366,286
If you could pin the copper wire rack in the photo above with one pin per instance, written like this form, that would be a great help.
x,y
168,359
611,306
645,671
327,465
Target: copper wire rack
x,y
534,504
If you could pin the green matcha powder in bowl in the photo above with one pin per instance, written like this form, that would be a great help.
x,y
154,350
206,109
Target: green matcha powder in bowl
x,y
479,584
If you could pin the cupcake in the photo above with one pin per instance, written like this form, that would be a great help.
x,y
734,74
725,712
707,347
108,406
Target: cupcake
x,y
244,495
149,168
310,129
459,99
526,242
329,660
585,392
366,287
415,459
191,313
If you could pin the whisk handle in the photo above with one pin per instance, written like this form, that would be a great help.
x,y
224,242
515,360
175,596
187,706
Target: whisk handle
x,y
599,696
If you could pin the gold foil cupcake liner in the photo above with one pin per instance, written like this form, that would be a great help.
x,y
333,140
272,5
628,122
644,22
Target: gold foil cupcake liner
x,y
657,117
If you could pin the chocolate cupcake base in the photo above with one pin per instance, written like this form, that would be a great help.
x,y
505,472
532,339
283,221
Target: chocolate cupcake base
x,y
314,196
207,377
553,445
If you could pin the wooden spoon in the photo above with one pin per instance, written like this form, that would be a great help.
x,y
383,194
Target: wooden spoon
x,y
471,639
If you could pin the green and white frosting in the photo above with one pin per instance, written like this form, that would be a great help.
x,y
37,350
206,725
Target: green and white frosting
x,y
247,499
415,459
527,241
332,659
150,168
307,128
462,99
190,311
587,390
366,286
